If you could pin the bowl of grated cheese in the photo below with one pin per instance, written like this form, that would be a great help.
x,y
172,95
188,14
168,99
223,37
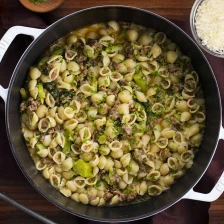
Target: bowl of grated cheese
x,y
207,25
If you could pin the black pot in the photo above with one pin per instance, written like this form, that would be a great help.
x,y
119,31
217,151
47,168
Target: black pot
x,y
184,185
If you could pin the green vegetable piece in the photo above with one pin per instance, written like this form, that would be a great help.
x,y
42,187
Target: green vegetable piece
x,y
93,81
23,93
52,89
177,116
43,61
41,92
155,73
67,146
111,172
107,179
152,178
137,68
115,48
98,184
148,110
69,137
121,35
138,78
89,53
102,139
83,168
59,51
40,146
129,166
127,191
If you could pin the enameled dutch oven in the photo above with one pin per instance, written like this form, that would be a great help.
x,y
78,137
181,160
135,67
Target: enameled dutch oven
x,y
43,38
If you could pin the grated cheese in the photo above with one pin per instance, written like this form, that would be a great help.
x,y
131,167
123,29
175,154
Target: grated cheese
x,y
209,23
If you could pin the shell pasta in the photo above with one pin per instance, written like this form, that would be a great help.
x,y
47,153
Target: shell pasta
x,y
112,113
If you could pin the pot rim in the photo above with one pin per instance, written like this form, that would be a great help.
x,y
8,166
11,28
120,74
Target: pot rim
x,y
54,201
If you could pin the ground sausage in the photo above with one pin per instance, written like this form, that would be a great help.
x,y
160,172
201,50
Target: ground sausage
x,y
121,195
164,154
107,196
131,196
91,197
23,106
115,179
32,104
128,129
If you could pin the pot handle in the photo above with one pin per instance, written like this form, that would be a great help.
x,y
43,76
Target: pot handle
x,y
216,192
7,40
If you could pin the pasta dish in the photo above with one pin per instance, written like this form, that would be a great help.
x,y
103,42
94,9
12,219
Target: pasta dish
x,y
112,113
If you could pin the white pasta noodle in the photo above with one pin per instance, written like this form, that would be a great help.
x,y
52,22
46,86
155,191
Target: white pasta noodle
x,y
85,133
80,182
95,201
104,81
70,124
95,170
87,89
47,140
58,119
115,146
47,172
102,162
67,164
109,164
55,180
87,146
59,157
43,153
121,171
71,186
114,25
142,188
105,40
91,181
68,112
156,50
43,125
72,66
40,165
33,118
105,71
123,108
75,197
141,116
66,192
178,137
162,142
141,96
102,202
41,111
52,121
125,159
154,190
34,73
115,200
60,139
127,178
51,152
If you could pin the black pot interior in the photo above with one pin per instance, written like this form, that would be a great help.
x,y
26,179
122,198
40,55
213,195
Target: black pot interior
x,y
209,86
